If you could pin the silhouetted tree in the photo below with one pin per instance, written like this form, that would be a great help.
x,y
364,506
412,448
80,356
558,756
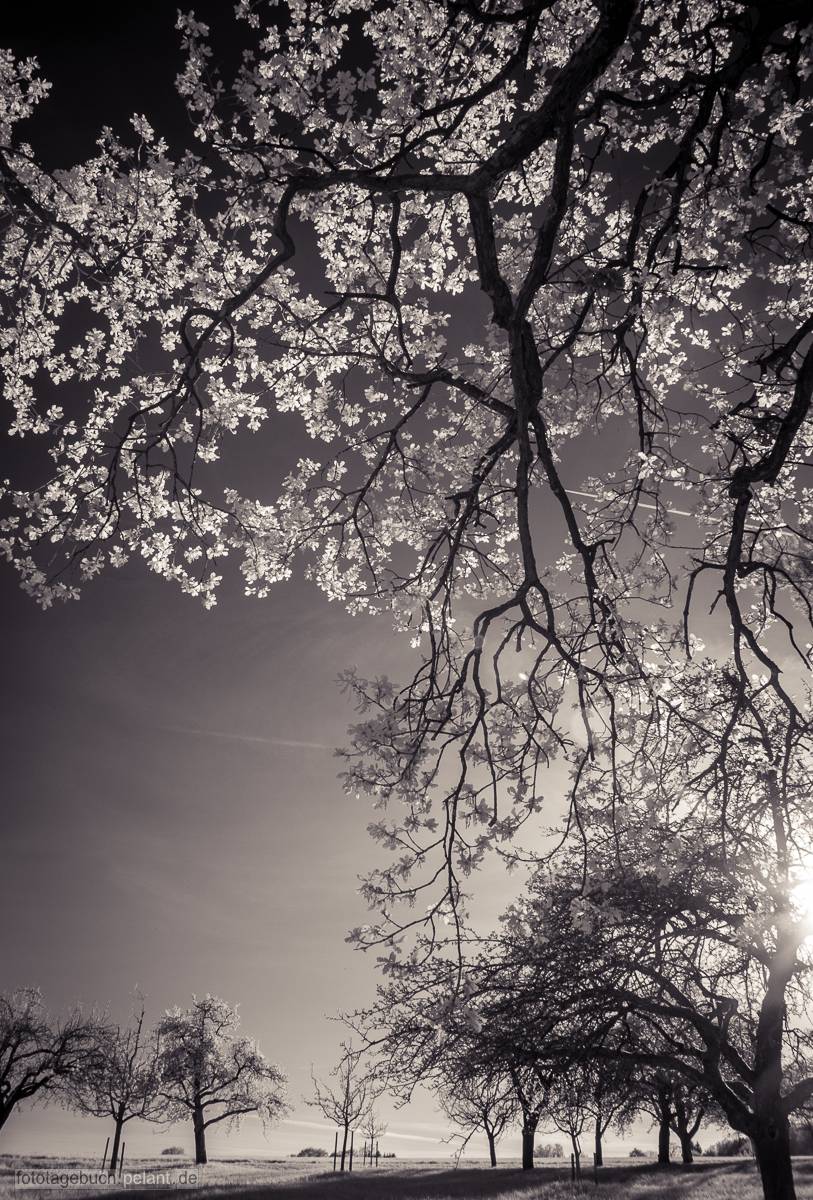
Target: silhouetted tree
x,y
211,1073
123,1079
40,1054
346,1102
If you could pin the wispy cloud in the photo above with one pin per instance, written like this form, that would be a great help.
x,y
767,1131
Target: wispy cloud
x,y
391,1133
291,743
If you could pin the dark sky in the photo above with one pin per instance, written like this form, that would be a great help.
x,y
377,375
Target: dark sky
x,y
171,814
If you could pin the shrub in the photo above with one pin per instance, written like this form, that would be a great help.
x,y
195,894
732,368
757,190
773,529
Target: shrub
x,y
311,1152
173,1150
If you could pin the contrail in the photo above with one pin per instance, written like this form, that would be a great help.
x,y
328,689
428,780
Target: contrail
x,y
292,743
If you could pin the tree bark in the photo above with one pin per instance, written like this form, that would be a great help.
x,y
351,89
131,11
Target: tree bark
x,y
770,1134
528,1147
663,1142
772,1150
114,1153
686,1153
344,1148
599,1148
200,1134
492,1147
577,1154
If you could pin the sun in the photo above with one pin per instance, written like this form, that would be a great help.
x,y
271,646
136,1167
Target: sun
x,y
802,897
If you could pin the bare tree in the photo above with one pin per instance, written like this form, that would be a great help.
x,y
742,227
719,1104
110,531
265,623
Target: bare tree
x,y
211,1073
123,1079
566,1109
39,1055
373,1129
478,1098
346,1102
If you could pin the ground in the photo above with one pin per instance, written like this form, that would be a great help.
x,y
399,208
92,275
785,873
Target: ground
x,y
311,1179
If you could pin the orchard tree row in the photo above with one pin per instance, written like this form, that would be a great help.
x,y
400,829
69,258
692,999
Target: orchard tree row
x,y
661,941
194,1065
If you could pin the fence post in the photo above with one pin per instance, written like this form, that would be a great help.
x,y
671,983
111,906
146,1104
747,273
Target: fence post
x,y
352,1131
104,1156
377,1155
335,1149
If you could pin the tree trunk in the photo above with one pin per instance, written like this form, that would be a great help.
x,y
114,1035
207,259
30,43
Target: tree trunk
x,y
114,1153
599,1147
492,1147
528,1147
344,1148
770,1133
663,1142
577,1154
772,1150
200,1135
686,1152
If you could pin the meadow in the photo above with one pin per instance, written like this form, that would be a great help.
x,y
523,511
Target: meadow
x,y
311,1179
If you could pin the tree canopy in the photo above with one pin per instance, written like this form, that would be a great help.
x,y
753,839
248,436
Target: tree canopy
x,y
466,245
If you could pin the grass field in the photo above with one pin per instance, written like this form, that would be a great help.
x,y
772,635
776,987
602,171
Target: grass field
x,y
307,1179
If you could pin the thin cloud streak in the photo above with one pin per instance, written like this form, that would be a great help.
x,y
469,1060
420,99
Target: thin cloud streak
x,y
291,743
405,1137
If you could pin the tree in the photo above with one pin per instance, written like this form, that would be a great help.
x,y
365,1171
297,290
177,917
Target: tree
x,y
476,1097
689,1107
685,938
611,199
567,1111
122,1081
531,1087
607,1097
211,1073
373,1129
39,1055
346,1103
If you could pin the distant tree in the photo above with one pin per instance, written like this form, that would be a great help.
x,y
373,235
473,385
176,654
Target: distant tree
x,y
37,1054
729,1147
551,1150
606,1097
172,1151
311,1152
566,1108
346,1102
373,1128
210,1072
123,1079
531,1086
475,1099
636,1153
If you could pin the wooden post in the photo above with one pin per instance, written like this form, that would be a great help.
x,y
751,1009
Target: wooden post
x,y
350,1168
121,1158
104,1156
335,1149
377,1155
